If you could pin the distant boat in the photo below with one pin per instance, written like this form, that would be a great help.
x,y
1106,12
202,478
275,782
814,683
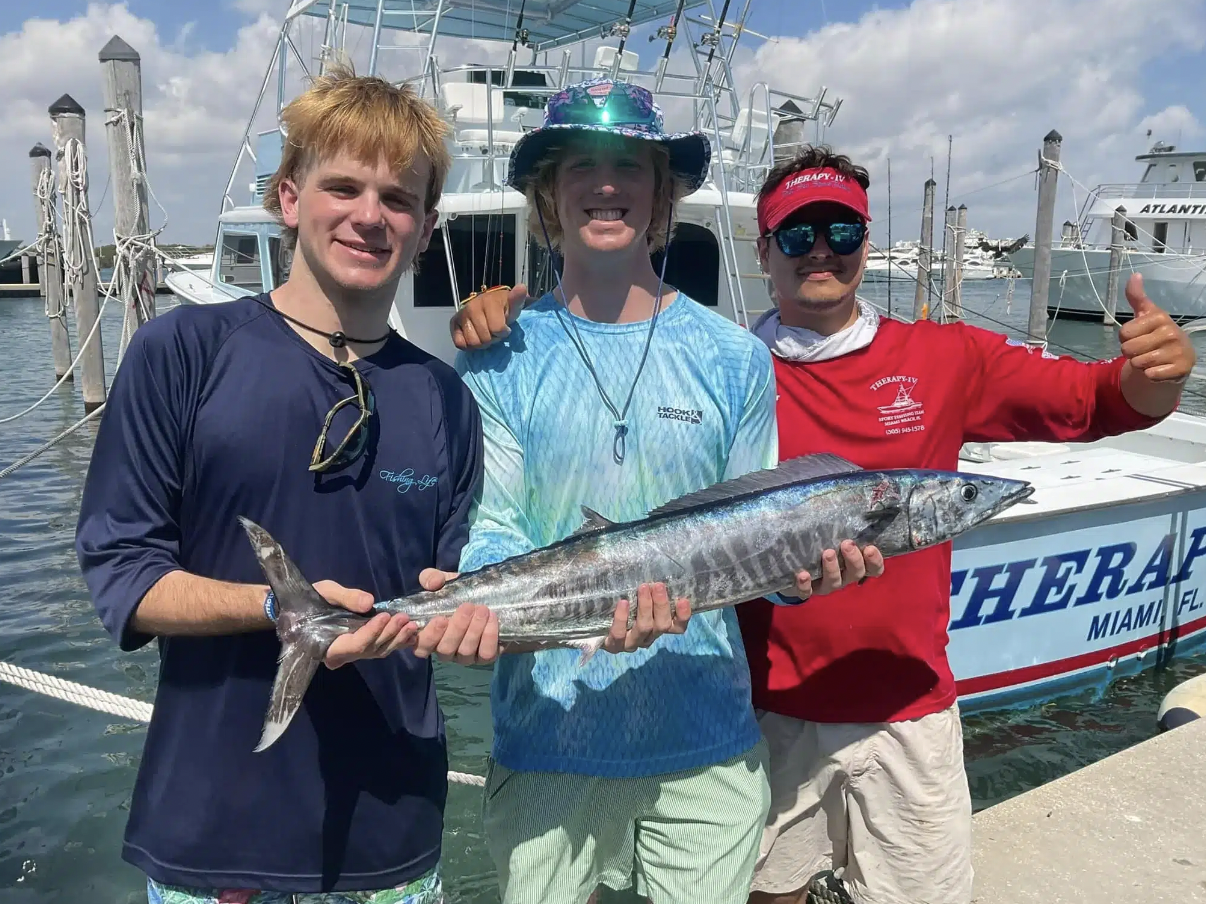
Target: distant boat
x,y
1165,240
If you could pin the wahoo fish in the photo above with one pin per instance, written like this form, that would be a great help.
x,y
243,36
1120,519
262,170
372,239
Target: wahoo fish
x,y
720,546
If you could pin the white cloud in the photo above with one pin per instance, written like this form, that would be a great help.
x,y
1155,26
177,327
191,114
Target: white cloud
x,y
194,107
997,75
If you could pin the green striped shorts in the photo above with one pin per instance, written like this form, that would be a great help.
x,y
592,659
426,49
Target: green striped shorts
x,y
426,889
683,836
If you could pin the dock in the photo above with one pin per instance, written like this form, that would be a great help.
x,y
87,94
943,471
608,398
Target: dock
x,y
1131,827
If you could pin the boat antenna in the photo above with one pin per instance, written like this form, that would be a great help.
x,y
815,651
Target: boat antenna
x,y
521,37
889,238
946,203
622,29
668,33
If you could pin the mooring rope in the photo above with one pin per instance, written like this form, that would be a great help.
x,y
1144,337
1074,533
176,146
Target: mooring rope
x,y
115,704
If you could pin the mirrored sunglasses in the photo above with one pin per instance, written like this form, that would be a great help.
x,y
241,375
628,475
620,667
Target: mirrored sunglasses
x,y
842,238
625,105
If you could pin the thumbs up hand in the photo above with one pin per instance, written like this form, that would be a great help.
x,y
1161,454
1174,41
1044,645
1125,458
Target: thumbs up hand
x,y
487,316
1156,349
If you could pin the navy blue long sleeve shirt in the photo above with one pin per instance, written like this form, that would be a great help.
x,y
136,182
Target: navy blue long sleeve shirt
x,y
213,414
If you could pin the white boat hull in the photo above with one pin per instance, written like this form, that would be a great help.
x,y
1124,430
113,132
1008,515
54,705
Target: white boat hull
x,y
1079,277
1105,579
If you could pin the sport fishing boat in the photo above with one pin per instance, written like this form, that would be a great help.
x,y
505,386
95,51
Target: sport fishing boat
x,y
481,238
1102,577
1164,239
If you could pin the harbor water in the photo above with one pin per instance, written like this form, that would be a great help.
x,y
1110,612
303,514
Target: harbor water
x,y
66,772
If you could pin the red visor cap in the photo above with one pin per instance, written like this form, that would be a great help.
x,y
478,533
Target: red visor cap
x,y
810,186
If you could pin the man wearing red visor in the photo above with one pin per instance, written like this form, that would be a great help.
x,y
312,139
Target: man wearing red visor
x,y
869,799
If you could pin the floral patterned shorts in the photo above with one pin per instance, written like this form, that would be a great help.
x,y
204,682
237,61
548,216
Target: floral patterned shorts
x,y
424,890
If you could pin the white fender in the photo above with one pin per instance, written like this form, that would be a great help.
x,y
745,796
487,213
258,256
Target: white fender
x,y
1184,703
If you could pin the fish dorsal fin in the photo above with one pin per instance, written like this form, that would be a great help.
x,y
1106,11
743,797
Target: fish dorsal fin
x,y
594,521
791,471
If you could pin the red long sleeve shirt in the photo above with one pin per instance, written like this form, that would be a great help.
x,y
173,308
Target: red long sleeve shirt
x,y
877,652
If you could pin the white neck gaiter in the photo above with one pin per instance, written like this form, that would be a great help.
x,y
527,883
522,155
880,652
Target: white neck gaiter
x,y
795,343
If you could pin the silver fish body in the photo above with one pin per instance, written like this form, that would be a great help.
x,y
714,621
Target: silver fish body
x,y
721,546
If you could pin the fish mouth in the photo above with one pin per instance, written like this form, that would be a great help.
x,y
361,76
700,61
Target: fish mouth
x,y
1021,495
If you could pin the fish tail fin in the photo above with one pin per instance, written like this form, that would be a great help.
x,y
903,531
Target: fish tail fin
x,y
304,641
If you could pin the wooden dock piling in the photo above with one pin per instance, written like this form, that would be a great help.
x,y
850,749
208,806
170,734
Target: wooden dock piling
x,y
1117,242
79,262
921,294
50,272
122,68
1040,287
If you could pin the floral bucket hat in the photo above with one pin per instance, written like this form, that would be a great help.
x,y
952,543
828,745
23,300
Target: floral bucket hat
x,y
602,105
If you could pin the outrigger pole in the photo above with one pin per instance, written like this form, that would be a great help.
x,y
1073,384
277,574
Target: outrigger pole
x,y
669,32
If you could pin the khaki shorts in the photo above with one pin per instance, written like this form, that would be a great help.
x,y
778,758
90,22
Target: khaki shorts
x,y
886,806
689,836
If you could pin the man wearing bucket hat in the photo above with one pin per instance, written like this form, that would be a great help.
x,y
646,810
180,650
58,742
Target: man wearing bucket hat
x,y
619,393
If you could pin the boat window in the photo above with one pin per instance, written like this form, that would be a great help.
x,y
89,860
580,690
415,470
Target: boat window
x,y
1132,231
1160,237
1172,173
1147,172
483,253
694,265
239,264
1199,171
520,78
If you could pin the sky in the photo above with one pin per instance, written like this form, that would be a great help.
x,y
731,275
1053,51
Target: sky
x,y
993,75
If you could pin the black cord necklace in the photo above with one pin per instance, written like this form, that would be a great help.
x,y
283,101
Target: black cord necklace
x,y
338,339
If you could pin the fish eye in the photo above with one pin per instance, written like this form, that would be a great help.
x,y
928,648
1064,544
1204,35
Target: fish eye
x,y
968,492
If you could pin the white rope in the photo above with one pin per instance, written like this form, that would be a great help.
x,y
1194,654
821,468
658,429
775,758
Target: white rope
x,y
50,242
136,255
75,693
116,705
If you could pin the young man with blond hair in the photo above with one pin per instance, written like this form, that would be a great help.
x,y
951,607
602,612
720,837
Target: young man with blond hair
x,y
294,408
619,393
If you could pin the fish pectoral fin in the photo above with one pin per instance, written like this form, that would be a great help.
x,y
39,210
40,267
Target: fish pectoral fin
x,y
882,514
588,646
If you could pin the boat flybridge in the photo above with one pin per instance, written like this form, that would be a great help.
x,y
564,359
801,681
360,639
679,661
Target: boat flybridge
x,y
481,238
1164,238
1105,575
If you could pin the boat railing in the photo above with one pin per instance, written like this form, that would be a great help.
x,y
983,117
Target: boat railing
x,y
1152,190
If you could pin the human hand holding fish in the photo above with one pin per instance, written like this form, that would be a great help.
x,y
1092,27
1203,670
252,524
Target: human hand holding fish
x,y
382,635
855,567
655,617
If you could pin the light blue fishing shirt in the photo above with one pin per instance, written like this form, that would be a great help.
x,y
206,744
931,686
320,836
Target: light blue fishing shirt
x,y
703,411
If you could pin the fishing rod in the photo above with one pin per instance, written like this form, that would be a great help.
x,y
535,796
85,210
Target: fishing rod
x,y
712,38
667,32
521,37
623,31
